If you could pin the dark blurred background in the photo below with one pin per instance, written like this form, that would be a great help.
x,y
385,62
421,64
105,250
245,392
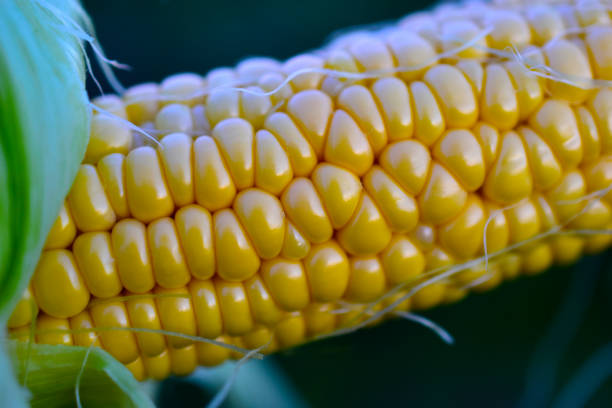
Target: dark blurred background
x,y
564,314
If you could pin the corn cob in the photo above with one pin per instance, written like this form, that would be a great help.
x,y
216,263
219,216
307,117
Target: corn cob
x,y
278,213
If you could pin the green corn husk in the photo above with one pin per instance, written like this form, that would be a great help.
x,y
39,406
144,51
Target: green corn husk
x,y
44,128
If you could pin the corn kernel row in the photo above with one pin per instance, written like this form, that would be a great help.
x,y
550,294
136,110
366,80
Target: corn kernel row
x,y
280,216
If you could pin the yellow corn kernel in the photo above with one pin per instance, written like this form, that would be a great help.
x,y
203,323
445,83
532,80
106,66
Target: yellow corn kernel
x,y
339,190
210,354
214,188
566,197
367,280
304,208
231,244
301,154
262,216
497,232
596,214
111,169
295,245
169,267
272,167
523,221
25,310
460,152
222,103
429,296
121,343
319,318
255,106
287,283
567,58
597,39
62,231
597,242
174,117
220,76
112,104
442,198
393,98
456,33
455,93
183,360
59,289
499,104
371,54
567,249
290,331
598,176
545,168
88,202
53,330
194,227
411,51
143,314
509,29
83,328
358,101
489,139
271,81
475,74
429,121
107,135
408,162
589,135
509,180
537,259
263,306
137,369
555,122
367,232
402,261
235,139
234,305
257,338
251,69
157,367
132,257
176,153
93,254
183,88
399,209
463,235
200,121
528,88
510,265
545,21
141,102
311,110
601,108
328,271
176,315
206,308
347,146
438,258
147,193
299,62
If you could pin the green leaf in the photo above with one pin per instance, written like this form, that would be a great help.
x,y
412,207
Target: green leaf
x,y
44,128
52,373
